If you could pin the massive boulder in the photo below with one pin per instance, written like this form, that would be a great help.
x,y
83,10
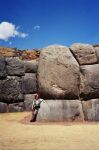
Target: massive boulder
x,y
91,110
11,90
29,83
58,73
3,73
84,53
60,110
31,66
15,66
89,87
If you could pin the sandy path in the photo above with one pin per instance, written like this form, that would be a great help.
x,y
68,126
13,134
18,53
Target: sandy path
x,y
15,135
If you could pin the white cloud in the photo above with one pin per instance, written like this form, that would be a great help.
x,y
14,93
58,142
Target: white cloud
x,y
10,43
8,30
22,35
37,27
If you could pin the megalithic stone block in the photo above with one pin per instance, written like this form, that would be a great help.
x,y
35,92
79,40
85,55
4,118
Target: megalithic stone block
x,y
91,109
61,110
15,66
58,73
29,83
84,53
28,101
89,82
3,73
31,66
3,107
11,90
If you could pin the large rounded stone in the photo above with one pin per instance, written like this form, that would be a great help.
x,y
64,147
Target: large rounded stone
x,y
3,73
61,110
11,90
31,66
58,73
84,53
89,87
15,66
91,110
29,83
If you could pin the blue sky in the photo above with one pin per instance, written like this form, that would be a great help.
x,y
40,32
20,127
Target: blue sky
x,y
45,22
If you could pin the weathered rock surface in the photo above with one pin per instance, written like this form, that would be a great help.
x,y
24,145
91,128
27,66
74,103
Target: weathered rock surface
x,y
57,76
58,73
97,52
29,83
89,87
0,89
15,66
2,68
16,107
11,90
28,101
91,110
84,53
31,66
3,107
61,110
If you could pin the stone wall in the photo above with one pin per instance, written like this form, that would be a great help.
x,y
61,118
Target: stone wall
x,y
18,78
67,78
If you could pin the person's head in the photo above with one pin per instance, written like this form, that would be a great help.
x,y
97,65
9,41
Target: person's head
x,y
37,96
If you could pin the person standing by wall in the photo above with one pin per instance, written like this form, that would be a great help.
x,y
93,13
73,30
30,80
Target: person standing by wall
x,y
36,106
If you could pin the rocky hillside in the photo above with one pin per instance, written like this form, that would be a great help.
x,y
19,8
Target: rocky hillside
x,y
67,78
22,54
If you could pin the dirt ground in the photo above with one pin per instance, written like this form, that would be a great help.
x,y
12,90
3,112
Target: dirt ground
x,y
16,133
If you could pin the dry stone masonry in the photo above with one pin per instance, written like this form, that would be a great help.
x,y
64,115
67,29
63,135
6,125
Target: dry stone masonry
x,y
67,78
17,79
